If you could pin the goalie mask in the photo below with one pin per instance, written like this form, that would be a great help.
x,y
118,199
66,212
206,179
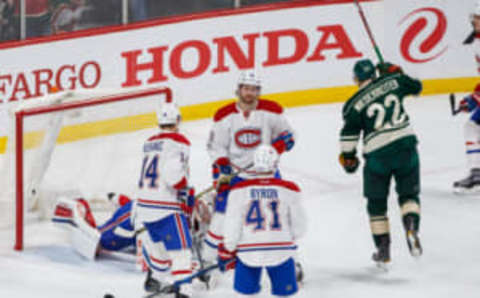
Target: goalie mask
x,y
265,159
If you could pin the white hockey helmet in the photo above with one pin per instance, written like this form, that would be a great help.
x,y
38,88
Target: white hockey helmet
x,y
250,78
476,10
168,114
265,159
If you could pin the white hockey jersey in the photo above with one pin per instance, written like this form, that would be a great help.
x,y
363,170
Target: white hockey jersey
x,y
236,134
476,49
263,220
165,170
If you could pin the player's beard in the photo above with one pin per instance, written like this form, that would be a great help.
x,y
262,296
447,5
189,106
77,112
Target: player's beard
x,y
248,99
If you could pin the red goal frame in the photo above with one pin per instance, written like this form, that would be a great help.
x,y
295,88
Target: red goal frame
x,y
19,158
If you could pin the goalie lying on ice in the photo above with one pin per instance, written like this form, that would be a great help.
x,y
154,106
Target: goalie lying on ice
x,y
88,239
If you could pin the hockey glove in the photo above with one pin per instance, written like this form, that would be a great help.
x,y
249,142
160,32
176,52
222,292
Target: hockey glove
x,y
349,161
118,199
226,259
284,142
186,197
388,68
468,104
221,172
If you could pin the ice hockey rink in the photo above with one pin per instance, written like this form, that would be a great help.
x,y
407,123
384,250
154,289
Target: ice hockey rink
x,y
337,248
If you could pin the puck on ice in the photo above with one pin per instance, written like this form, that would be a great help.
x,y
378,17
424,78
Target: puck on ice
x,y
108,296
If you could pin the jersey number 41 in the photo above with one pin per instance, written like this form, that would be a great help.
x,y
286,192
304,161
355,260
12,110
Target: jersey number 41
x,y
256,215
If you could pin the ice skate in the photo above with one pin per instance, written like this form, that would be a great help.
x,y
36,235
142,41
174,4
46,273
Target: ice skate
x,y
413,240
468,185
382,256
299,272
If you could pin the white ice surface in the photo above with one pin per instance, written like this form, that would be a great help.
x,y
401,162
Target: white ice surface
x,y
336,251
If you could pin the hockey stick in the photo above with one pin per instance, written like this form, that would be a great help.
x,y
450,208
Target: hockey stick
x,y
454,110
175,287
369,32
211,187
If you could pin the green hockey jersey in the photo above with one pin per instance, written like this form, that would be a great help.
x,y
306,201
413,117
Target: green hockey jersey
x,y
377,112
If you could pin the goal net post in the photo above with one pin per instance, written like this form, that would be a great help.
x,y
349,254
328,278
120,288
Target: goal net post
x,y
72,144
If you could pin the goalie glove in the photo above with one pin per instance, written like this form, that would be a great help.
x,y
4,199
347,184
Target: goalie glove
x,y
468,104
349,161
388,68
284,142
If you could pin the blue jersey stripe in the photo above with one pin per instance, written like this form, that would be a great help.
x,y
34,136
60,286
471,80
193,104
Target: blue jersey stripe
x,y
69,221
210,244
267,249
147,258
159,207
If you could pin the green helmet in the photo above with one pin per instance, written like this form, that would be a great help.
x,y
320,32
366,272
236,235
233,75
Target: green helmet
x,y
364,70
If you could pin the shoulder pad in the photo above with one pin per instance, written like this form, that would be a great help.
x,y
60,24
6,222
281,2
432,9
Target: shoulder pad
x,y
269,106
268,182
225,111
174,136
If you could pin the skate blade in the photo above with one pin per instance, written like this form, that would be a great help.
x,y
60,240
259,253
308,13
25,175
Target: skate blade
x,y
383,266
466,191
414,245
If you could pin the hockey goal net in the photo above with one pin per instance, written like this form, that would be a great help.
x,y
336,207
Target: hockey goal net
x,y
80,144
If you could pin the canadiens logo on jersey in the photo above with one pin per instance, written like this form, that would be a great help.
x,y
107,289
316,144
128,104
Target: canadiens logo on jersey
x,y
248,137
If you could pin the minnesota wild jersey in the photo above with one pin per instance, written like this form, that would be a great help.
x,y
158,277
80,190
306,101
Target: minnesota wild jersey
x,y
377,111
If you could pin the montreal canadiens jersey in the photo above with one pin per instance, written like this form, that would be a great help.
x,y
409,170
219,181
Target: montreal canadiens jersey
x,y
164,171
236,134
264,218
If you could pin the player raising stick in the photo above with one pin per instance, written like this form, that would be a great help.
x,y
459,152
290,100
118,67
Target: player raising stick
x,y
263,220
389,148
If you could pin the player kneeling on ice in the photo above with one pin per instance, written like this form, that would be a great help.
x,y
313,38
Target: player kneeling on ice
x,y
117,234
389,148
238,129
264,218
164,202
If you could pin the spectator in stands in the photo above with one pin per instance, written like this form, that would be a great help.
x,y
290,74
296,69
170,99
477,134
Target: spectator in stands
x,y
8,27
37,17
138,10
66,15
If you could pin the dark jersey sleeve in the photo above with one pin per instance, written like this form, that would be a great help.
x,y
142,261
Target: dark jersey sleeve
x,y
351,130
411,86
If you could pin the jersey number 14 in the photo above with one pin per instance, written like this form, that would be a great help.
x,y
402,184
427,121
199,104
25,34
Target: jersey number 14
x,y
149,172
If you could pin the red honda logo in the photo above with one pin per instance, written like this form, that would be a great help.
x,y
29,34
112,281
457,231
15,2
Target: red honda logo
x,y
421,41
